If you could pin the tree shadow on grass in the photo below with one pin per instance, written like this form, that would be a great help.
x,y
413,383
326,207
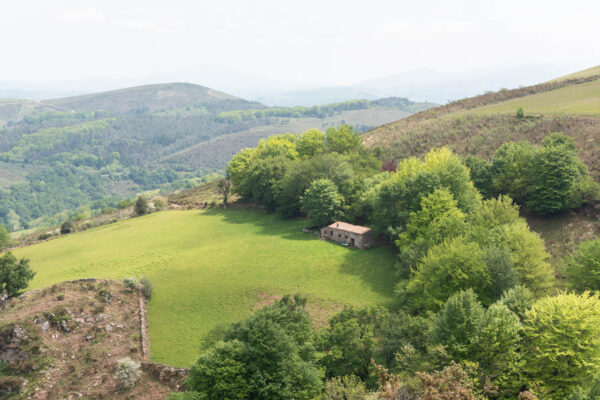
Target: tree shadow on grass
x,y
268,224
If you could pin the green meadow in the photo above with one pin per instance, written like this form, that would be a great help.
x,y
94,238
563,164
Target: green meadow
x,y
214,267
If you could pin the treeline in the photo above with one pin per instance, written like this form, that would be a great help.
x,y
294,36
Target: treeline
x,y
479,314
314,111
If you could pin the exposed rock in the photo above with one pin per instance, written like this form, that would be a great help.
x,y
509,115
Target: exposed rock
x,y
45,326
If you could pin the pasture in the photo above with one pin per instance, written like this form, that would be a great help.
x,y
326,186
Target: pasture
x,y
214,267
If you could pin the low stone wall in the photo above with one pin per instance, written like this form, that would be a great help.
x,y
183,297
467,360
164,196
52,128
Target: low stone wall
x,y
170,376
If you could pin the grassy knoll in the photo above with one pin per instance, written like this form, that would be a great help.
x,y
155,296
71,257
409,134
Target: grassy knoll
x,y
214,267
577,99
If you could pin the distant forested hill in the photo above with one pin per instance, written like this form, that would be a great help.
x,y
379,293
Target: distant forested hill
x,y
62,154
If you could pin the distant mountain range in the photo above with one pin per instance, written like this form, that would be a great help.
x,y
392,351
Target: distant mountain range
x,y
419,85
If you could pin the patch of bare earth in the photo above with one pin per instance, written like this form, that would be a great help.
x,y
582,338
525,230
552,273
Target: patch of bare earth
x,y
78,358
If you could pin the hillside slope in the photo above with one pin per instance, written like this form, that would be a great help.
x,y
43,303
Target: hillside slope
x,y
92,150
214,267
479,125
65,341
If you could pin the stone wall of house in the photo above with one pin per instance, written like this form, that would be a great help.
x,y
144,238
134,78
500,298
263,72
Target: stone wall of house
x,y
339,235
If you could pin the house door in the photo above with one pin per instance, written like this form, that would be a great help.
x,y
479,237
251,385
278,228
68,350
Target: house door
x,y
352,241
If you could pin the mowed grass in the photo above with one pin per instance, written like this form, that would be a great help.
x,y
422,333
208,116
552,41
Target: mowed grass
x,y
214,267
577,99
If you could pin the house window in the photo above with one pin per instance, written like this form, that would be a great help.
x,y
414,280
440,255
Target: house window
x,y
330,233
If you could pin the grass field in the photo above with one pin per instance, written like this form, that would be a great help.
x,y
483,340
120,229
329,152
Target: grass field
x,y
577,99
214,267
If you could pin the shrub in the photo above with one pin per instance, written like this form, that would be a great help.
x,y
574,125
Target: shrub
x,y
4,237
147,288
67,227
159,203
128,373
345,387
520,113
130,284
186,396
141,206
584,267
14,275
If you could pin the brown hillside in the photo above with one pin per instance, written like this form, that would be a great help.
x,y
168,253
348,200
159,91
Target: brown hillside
x,y
76,358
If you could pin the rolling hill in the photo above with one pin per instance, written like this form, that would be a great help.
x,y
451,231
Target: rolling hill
x,y
481,124
92,150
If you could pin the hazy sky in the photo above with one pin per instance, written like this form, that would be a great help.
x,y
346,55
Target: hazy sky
x,y
320,41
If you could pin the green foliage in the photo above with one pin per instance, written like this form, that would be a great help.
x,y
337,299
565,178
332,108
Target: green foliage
x,y
67,227
311,143
130,283
562,344
503,275
270,355
438,219
220,373
344,388
128,373
584,266
350,343
14,275
510,168
147,288
481,175
395,198
4,237
141,206
322,202
342,140
457,323
447,268
518,299
520,113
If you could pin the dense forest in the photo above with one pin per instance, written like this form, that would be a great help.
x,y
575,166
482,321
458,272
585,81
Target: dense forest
x,y
73,157
480,314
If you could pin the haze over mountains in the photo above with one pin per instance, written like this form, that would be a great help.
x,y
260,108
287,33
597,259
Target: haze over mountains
x,y
418,85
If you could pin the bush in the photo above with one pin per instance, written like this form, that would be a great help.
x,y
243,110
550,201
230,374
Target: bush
x,y
584,267
141,206
520,113
186,396
345,387
147,288
4,237
128,373
14,275
130,284
67,227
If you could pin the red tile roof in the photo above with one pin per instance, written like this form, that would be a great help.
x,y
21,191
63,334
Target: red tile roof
x,y
344,226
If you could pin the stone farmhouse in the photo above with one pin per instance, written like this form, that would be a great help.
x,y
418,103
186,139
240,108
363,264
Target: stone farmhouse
x,y
352,235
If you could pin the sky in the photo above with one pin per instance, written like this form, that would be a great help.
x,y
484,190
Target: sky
x,y
324,41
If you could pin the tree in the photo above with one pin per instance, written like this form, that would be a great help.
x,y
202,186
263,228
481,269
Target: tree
x,y
224,186
14,275
270,355
584,266
438,219
518,299
322,202
395,198
447,268
350,343
67,227
481,175
456,325
510,169
562,343
311,143
503,274
342,140
219,373
4,237
141,206
238,170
